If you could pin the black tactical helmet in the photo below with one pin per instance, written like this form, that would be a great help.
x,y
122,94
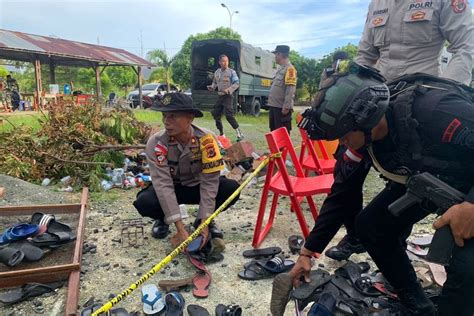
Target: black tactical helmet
x,y
355,100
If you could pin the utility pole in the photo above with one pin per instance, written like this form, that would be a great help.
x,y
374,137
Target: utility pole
x,y
231,14
141,44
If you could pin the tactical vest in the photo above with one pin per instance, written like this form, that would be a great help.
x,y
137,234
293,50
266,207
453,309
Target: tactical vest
x,y
414,151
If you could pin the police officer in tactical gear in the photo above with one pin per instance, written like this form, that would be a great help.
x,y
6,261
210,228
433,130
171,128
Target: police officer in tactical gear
x,y
399,38
417,123
185,164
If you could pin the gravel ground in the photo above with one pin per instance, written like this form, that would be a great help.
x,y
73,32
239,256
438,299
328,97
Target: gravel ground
x,y
109,267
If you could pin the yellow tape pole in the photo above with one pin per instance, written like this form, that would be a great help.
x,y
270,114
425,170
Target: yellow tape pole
x,y
183,245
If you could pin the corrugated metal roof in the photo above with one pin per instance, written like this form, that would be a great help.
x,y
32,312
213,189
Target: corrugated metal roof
x,y
23,46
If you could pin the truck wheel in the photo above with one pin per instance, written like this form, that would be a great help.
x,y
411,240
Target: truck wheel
x,y
255,108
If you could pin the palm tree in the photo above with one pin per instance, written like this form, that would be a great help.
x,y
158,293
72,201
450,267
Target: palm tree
x,y
161,59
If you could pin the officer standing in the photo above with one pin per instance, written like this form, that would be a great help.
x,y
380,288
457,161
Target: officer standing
x,y
282,91
226,81
185,164
427,126
400,37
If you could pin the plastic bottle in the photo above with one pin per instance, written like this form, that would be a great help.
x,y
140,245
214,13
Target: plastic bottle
x,y
106,185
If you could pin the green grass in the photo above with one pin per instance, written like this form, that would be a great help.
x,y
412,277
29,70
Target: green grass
x,y
254,128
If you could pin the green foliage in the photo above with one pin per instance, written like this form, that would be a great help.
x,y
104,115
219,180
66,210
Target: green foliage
x,y
181,66
3,72
121,77
164,62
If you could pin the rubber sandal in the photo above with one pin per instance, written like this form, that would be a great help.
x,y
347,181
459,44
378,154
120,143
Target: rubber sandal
x,y
42,220
31,252
324,306
11,256
422,240
439,273
152,299
277,264
263,252
281,289
295,242
196,310
345,287
201,282
27,291
306,290
175,285
18,232
195,245
229,310
379,286
352,271
417,250
423,277
52,240
90,309
174,304
254,271
364,286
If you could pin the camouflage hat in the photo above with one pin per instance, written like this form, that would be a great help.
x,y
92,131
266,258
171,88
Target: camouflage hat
x,y
177,102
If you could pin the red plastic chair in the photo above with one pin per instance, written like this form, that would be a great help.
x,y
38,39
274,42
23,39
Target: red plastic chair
x,y
311,161
281,183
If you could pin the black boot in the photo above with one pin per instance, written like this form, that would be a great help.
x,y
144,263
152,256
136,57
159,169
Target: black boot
x,y
213,229
160,230
345,248
416,302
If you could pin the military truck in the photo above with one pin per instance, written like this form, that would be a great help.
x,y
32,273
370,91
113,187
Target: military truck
x,y
254,66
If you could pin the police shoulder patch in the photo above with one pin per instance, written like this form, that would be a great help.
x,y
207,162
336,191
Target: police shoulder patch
x,y
290,76
211,155
459,6
161,152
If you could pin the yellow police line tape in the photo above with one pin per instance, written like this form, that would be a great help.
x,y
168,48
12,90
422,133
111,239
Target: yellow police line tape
x,y
184,244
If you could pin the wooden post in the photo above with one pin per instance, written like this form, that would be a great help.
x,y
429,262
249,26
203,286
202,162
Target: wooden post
x,y
139,73
97,83
39,84
52,74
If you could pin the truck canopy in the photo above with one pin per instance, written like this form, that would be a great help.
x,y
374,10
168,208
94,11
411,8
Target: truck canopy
x,y
243,57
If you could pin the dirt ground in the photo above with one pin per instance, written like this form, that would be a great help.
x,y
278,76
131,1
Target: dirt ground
x,y
111,267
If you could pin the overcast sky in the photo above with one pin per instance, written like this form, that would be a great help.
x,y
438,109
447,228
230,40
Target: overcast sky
x,y
313,28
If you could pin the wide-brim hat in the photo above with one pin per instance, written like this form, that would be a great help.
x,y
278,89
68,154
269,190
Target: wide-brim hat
x,y
284,49
177,102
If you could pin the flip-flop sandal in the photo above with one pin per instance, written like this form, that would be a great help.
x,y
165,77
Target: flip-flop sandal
x,y
281,289
380,286
364,285
88,311
305,290
42,220
175,285
198,264
201,282
174,304
229,310
417,250
254,271
27,291
324,306
31,252
11,256
295,242
195,245
439,273
196,310
152,299
52,240
263,252
18,232
345,287
422,240
423,277
352,271
277,264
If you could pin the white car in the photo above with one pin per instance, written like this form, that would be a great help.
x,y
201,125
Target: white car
x,y
149,90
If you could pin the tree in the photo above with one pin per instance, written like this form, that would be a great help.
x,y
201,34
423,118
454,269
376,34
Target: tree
x,y
121,77
162,60
3,72
181,67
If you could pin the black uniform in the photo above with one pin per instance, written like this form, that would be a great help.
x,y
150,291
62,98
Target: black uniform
x,y
446,132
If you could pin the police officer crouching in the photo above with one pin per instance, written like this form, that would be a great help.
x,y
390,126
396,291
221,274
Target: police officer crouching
x,y
185,164
417,123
